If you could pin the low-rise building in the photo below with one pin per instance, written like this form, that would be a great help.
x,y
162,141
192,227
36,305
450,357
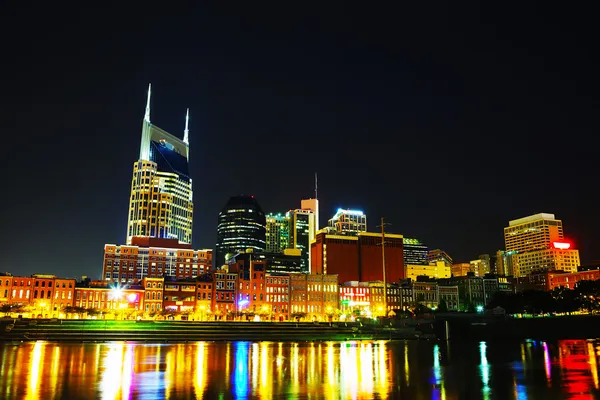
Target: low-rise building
x,y
313,296
153,295
278,299
434,270
224,293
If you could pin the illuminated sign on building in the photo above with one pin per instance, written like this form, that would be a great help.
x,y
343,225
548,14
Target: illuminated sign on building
x,y
561,245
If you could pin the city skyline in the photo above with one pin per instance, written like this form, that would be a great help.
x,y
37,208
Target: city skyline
x,y
449,125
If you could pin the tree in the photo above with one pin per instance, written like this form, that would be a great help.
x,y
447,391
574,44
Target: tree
x,y
11,308
74,310
92,311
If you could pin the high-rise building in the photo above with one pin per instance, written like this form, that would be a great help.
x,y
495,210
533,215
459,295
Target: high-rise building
x,y
242,225
277,233
439,255
535,232
357,257
482,265
302,233
415,252
312,205
353,221
161,204
537,243
159,222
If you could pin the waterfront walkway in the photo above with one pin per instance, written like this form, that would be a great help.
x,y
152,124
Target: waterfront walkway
x,y
183,331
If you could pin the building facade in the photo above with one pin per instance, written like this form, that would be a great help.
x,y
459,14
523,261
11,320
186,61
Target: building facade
x,y
358,257
415,252
161,203
537,243
313,297
277,233
302,233
241,225
351,221
153,258
439,255
435,270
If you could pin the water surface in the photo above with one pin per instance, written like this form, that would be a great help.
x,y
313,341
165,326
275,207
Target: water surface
x,y
327,370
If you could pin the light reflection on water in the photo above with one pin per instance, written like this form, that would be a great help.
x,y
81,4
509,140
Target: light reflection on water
x,y
329,370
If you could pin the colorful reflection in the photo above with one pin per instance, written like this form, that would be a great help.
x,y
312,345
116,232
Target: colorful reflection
x,y
327,370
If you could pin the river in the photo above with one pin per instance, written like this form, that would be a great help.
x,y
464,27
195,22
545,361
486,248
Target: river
x,y
326,370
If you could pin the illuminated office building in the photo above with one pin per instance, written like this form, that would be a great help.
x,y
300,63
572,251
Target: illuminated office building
x,y
439,255
241,226
415,252
353,221
302,233
277,233
161,205
159,221
537,243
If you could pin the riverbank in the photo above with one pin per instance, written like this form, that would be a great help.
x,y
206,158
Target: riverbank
x,y
183,331
485,328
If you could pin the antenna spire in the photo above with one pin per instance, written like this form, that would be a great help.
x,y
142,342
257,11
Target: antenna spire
x,y
186,131
316,187
147,116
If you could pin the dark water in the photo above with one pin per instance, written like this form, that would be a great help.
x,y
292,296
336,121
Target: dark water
x,y
328,370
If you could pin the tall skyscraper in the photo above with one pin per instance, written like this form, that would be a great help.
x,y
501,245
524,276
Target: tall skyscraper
x,y
159,222
415,252
537,243
161,204
312,205
302,233
352,221
277,233
242,225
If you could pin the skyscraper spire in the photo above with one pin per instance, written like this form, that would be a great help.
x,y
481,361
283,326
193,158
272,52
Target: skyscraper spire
x,y
146,127
147,116
316,187
186,131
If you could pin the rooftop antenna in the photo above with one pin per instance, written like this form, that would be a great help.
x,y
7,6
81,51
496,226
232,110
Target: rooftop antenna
x,y
316,187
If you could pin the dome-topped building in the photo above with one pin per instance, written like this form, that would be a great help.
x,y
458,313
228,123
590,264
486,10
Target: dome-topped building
x,y
241,226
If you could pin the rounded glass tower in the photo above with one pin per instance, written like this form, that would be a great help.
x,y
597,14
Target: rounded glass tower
x,y
242,225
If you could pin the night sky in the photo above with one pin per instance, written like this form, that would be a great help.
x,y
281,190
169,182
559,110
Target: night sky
x,y
447,120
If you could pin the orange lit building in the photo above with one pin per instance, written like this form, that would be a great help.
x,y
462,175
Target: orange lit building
x,y
5,288
461,269
357,257
278,299
550,280
225,288
180,295
21,290
115,300
252,286
154,258
536,243
377,299
355,299
204,299
313,296
153,294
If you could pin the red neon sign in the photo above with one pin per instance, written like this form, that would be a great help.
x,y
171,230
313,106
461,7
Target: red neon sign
x,y
561,245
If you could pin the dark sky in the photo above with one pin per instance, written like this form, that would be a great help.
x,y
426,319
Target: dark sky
x,y
448,120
